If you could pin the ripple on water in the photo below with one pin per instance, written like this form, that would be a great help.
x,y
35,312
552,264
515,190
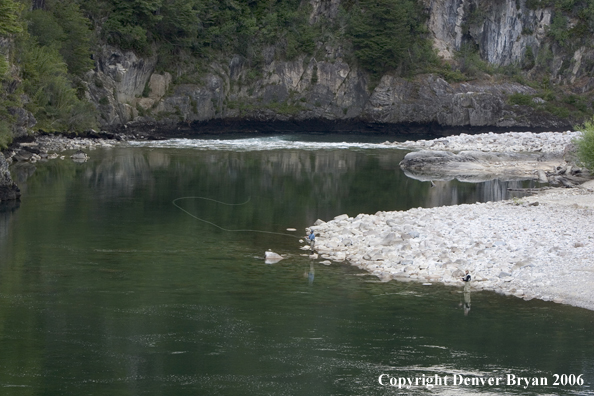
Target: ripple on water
x,y
255,144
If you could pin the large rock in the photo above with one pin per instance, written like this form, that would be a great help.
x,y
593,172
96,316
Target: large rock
x,y
8,189
271,257
23,121
118,81
426,165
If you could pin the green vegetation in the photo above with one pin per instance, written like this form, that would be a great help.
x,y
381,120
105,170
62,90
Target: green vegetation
x,y
185,30
389,35
51,52
559,105
470,62
10,22
3,66
51,42
285,108
5,135
520,99
53,100
585,144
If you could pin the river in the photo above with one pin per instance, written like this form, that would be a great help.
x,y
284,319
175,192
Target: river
x,y
107,288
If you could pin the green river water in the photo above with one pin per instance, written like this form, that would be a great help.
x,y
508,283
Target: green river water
x,y
106,288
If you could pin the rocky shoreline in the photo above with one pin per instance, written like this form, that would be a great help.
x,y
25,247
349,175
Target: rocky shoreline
x,y
44,148
48,147
518,248
509,142
535,247
547,157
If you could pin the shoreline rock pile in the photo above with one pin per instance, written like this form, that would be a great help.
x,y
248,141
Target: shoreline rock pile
x,y
509,142
525,248
510,247
47,147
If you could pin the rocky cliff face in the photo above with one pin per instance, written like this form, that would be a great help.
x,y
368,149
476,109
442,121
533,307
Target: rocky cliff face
x,y
126,89
507,32
119,80
503,29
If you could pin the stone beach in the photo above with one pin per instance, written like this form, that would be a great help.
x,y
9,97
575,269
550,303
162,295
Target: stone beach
x,y
541,246
47,147
509,142
58,143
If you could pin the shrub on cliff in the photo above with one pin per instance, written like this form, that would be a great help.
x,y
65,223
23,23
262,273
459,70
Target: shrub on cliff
x,y
5,134
53,99
9,17
63,26
388,35
585,145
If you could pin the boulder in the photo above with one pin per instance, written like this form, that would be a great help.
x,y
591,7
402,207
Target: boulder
x,y
8,189
476,166
22,156
79,156
271,257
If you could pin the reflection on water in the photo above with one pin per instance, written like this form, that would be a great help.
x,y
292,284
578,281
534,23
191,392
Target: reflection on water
x,y
107,288
7,209
329,178
466,300
454,193
310,275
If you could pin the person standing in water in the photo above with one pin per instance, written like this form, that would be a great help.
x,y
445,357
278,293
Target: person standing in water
x,y
312,240
466,279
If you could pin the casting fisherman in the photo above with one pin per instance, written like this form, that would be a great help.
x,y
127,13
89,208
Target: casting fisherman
x,y
466,279
312,240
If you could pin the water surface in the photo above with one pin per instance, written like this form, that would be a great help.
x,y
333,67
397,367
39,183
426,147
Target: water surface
x,y
106,288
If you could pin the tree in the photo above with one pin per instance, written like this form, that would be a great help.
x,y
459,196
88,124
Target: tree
x,y
62,26
53,100
76,45
130,23
10,17
382,32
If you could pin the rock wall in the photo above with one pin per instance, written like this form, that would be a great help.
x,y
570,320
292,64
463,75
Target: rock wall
x,y
508,32
323,90
503,29
119,83
330,87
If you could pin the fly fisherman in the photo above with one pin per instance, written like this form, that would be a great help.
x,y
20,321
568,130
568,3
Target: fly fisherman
x,y
466,280
312,240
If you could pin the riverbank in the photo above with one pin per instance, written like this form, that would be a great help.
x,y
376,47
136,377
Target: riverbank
x,y
535,247
538,247
48,147
509,142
